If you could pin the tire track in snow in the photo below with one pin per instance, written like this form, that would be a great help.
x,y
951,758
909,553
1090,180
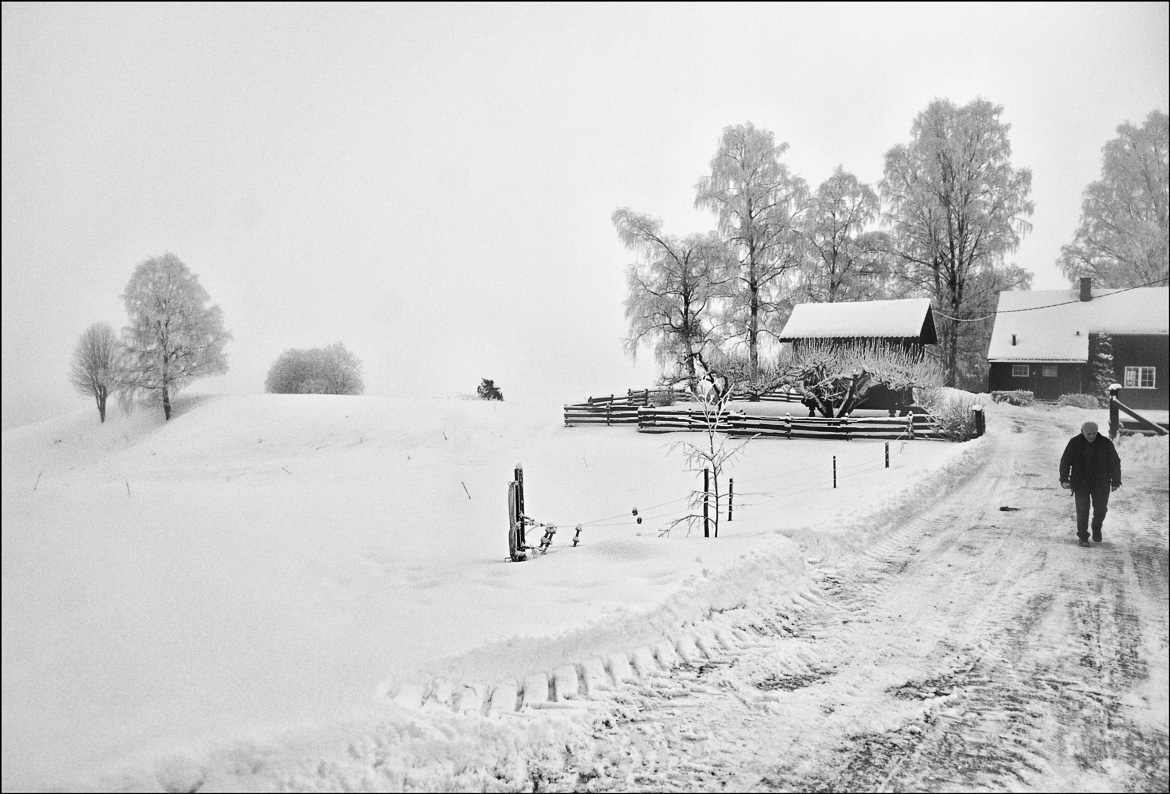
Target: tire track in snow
x,y
1022,663
963,648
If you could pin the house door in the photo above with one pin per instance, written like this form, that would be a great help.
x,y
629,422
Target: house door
x,y
1047,382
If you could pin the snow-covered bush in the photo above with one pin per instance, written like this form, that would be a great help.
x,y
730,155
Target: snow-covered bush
x,y
1017,397
1079,401
330,370
662,398
833,379
952,409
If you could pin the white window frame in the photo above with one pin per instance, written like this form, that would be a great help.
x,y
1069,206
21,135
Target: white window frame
x,y
1045,373
1134,377
1021,371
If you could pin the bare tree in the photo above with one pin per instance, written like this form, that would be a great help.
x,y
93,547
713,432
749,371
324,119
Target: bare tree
x,y
173,337
711,395
1124,236
756,199
97,365
957,208
672,291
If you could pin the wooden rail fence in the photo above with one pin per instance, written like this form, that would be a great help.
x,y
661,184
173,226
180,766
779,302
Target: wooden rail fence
x,y
629,410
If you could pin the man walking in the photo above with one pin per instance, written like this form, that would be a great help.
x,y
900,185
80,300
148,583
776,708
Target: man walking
x,y
1091,467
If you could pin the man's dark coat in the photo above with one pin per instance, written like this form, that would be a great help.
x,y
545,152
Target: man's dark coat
x,y
1091,467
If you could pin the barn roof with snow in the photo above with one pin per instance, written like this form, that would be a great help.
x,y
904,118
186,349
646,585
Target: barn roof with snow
x,y
1051,326
908,320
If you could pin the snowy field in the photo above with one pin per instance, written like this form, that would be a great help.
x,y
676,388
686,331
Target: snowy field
x,y
266,567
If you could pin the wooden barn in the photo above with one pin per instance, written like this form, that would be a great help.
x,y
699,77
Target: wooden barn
x,y
906,323
1043,341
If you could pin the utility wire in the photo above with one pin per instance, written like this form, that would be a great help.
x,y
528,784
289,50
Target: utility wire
x,y
1048,306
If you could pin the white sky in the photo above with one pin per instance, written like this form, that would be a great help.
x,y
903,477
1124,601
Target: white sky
x,y
433,185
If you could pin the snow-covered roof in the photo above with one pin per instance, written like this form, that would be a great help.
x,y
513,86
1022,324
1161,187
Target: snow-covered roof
x,y
1054,326
897,319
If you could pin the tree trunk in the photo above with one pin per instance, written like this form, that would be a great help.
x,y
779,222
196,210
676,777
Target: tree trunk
x,y
754,334
166,395
101,404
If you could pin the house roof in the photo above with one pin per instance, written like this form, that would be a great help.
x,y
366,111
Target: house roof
x,y
1054,326
899,319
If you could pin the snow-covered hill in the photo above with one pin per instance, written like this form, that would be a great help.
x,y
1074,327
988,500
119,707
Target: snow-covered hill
x,y
268,564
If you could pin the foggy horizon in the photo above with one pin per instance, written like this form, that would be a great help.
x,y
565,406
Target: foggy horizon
x,y
432,185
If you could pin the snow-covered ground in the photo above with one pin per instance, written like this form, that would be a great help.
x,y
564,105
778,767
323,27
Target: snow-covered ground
x,y
269,571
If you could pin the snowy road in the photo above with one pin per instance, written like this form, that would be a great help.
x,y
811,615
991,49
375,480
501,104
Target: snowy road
x,y
974,648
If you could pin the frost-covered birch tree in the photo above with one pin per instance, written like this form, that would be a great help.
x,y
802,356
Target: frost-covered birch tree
x,y
672,290
96,368
845,260
1124,236
756,199
957,208
173,337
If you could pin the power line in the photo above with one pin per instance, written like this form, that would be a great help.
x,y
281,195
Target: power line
x,y
1048,306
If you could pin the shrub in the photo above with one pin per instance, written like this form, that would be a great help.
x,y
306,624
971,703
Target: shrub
x,y
952,410
1017,397
833,379
1080,401
330,370
487,390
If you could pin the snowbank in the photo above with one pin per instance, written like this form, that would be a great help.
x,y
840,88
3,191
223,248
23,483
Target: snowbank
x,y
268,567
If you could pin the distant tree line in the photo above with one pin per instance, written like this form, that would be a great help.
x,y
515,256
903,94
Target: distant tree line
x,y
942,223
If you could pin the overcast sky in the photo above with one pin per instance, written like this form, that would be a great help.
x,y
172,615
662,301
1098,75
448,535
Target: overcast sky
x,y
432,184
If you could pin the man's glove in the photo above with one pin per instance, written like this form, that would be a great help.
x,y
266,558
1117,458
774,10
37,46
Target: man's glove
x,y
1064,484
1115,487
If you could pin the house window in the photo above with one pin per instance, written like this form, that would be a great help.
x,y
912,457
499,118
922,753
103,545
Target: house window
x,y
1048,371
1020,371
1139,377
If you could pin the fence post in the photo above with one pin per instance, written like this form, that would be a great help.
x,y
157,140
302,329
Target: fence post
x,y
910,424
887,454
730,496
706,491
980,427
1114,418
834,471
519,474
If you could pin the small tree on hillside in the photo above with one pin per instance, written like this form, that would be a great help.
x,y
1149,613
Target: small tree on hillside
x,y
174,337
488,390
97,362
712,394
330,370
834,379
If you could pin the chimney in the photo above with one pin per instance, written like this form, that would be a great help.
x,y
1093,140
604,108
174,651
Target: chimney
x,y
1086,288
1013,340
